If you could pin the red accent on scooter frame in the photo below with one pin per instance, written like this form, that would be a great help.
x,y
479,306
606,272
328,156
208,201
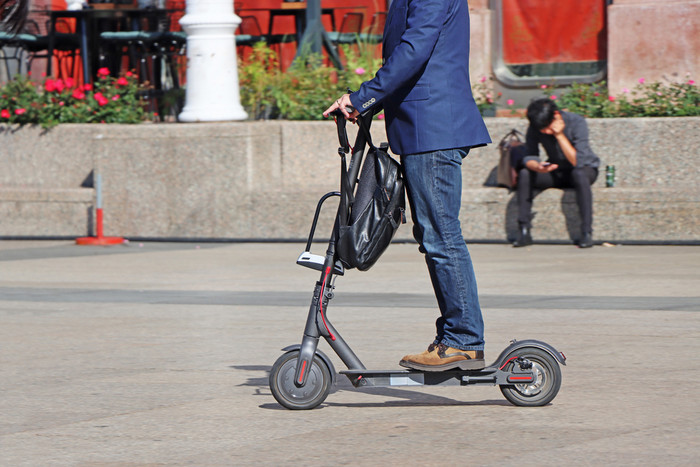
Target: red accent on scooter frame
x,y
301,373
520,378
509,360
320,303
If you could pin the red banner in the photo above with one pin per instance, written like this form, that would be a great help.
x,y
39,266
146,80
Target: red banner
x,y
553,31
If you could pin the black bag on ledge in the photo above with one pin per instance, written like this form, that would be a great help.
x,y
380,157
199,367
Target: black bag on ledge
x,y
507,175
370,217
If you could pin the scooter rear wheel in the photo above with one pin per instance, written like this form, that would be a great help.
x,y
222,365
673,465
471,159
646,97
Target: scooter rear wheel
x,y
291,396
547,379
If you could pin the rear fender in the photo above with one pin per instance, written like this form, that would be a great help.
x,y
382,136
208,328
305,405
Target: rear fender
x,y
515,345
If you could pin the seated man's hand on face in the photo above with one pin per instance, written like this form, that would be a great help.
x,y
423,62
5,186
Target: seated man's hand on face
x,y
556,127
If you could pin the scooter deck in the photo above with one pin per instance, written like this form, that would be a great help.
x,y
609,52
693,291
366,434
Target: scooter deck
x,y
489,375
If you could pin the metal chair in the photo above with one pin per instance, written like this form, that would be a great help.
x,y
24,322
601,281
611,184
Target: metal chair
x,y
9,52
153,51
12,17
349,31
30,44
375,32
249,32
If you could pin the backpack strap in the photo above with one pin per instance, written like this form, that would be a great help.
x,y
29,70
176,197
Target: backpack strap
x,y
512,134
347,199
365,123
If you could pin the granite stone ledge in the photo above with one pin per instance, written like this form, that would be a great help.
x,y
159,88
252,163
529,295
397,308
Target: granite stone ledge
x,y
246,180
59,195
620,214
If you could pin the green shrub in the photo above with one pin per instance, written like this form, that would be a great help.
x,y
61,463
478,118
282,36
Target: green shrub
x,y
306,88
109,100
645,100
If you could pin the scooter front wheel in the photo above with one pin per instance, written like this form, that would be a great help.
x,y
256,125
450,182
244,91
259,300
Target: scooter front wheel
x,y
547,379
291,396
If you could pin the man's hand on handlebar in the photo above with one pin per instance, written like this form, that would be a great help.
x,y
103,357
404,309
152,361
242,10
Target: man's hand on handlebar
x,y
344,106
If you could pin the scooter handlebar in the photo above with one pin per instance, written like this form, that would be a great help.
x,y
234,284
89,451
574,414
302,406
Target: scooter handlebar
x,y
339,114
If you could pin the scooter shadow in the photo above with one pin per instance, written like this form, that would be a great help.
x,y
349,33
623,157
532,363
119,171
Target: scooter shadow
x,y
407,397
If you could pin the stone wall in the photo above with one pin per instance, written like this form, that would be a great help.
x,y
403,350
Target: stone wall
x,y
262,180
651,39
658,41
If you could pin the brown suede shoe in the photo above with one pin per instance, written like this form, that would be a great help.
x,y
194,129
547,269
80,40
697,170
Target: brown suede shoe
x,y
441,357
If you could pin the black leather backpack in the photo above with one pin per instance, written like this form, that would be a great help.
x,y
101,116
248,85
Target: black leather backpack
x,y
370,216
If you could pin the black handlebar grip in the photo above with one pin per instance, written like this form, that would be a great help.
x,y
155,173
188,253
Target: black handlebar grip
x,y
339,114
342,132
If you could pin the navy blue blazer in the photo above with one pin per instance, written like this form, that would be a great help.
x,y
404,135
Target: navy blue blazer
x,y
424,84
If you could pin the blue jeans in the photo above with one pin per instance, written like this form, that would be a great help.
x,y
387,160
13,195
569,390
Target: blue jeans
x,y
434,188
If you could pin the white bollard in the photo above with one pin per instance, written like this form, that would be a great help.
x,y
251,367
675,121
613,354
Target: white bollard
x,y
212,73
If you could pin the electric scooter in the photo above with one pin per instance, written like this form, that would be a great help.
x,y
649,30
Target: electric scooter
x,y
527,372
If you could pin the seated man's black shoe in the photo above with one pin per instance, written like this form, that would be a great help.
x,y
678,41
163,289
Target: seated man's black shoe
x,y
524,238
586,241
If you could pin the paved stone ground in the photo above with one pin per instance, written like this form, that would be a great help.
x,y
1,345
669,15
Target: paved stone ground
x,y
158,354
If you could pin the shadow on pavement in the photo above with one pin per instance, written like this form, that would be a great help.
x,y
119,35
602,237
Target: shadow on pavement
x,y
410,398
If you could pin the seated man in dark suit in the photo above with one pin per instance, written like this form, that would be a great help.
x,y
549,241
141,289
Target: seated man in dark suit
x,y
570,164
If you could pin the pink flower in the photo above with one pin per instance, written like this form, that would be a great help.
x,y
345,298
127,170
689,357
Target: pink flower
x,y
641,80
596,94
60,85
87,87
61,104
129,74
691,82
553,97
49,85
482,79
101,99
103,72
69,82
611,98
359,71
78,94
20,111
544,86
380,116
510,102
123,81
115,98
4,113
625,90
659,93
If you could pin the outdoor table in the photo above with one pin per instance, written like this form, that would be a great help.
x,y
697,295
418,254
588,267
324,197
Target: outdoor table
x,y
298,11
86,21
